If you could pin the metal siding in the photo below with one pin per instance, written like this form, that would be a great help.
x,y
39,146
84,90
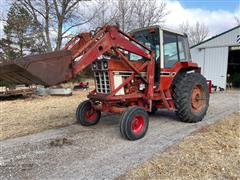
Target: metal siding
x,y
212,56
215,65
228,39
198,56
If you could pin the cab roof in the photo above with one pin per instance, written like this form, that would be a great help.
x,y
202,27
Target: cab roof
x,y
158,27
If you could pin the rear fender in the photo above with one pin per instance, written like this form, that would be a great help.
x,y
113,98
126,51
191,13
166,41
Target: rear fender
x,y
167,74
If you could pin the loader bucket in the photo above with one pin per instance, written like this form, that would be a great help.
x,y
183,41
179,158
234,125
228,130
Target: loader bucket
x,y
46,69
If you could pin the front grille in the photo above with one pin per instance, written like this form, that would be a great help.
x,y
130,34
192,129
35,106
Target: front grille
x,y
102,82
100,69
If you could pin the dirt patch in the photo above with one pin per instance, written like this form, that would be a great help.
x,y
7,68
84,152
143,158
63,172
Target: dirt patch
x,y
26,116
211,153
59,142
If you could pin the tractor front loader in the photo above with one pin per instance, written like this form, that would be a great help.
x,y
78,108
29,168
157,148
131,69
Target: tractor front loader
x,y
135,74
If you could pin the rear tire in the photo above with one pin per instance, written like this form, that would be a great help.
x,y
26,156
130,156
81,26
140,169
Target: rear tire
x,y
86,115
191,97
179,76
134,123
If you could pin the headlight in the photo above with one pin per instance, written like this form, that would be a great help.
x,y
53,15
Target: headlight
x,y
105,65
94,66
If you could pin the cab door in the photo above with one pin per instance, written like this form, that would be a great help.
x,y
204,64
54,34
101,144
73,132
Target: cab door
x,y
175,49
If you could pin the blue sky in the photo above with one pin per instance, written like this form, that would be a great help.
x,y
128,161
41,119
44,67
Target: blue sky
x,y
228,5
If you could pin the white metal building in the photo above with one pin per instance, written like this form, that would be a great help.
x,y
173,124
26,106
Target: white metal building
x,y
219,56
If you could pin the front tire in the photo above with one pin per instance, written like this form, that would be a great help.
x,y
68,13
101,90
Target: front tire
x,y
86,115
191,97
134,123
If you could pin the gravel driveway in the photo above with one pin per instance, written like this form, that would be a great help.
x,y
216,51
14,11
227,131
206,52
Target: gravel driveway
x,y
99,152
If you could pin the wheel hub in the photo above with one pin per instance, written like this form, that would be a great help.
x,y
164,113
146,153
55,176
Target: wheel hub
x,y
198,99
90,114
137,124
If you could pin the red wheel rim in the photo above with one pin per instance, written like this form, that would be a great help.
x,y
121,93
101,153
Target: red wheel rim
x,y
138,124
90,114
198,98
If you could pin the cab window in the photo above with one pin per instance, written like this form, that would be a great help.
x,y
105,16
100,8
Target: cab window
x,y
150,40
181,47
173,48
170,49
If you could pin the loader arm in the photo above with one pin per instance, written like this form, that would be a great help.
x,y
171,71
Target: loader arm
x,y
86,48
106,39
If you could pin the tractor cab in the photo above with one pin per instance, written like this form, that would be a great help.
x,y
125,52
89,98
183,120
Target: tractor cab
x,y
168,45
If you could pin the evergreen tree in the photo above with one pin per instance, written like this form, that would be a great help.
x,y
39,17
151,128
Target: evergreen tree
x,y
20,31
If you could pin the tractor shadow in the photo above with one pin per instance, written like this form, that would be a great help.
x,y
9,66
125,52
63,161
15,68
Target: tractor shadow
x,y
164,115
110,119
12,97
113,119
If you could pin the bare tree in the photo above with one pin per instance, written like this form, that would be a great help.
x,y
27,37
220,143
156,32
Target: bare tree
x,y
106,13
113,12
55,15
125,11
42,13
140,13
130,14
185,28
237,20
149,12
197,32
57,19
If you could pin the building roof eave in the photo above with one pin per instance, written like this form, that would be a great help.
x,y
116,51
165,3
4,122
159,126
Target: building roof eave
x,y
215,36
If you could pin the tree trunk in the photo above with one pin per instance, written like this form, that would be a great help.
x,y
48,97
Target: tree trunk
x,y
59,35
48,43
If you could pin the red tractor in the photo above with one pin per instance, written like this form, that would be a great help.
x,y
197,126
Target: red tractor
x,y
135,74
